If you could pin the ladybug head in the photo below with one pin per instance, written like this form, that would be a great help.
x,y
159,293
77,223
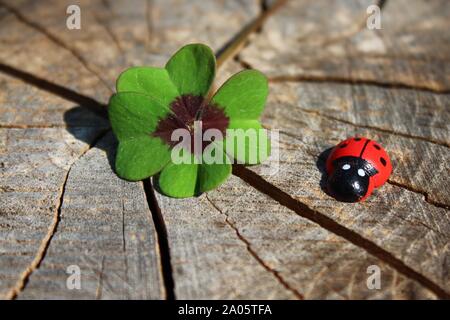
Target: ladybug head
x,y
349,181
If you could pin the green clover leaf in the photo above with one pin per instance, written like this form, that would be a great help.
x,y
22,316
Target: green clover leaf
x,y
151,104
243,98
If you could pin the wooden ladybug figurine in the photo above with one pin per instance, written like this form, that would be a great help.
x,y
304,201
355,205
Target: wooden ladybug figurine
x,y
355,167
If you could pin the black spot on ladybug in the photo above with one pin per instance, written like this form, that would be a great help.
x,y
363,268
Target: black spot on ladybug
x,y
377,147
357,139
343,145
383,161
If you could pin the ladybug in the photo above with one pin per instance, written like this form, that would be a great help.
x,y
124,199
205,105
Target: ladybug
x,y
355,167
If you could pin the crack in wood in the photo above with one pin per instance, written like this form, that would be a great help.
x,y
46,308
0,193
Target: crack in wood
x,y
420,223
420,192
382,4
107,27
99,290
355,81
163,241
253,253
56,89
361,25
32,24
337,79
237,42
42,250
358,27
331,225
228,51
384,130
110,33
264,5
345,80
242,63
150,27
124,246
45,243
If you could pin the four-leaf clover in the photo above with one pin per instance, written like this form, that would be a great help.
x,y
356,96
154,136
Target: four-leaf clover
x,y
151,103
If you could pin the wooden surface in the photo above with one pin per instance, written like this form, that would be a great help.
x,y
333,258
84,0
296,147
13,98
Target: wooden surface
x,y
260,235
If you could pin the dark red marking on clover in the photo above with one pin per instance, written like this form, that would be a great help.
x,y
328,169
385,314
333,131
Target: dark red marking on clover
x,y
187,109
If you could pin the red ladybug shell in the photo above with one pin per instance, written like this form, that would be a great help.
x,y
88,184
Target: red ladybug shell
x,y
368,150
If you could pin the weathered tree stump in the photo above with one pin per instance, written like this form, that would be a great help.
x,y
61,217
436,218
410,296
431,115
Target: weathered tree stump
x,y
258,236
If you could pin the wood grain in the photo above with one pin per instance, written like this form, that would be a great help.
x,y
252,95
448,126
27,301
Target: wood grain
x,y
413,127
34,164
105,229
235,242
400,221
330,41
55,78
114,35
260,235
